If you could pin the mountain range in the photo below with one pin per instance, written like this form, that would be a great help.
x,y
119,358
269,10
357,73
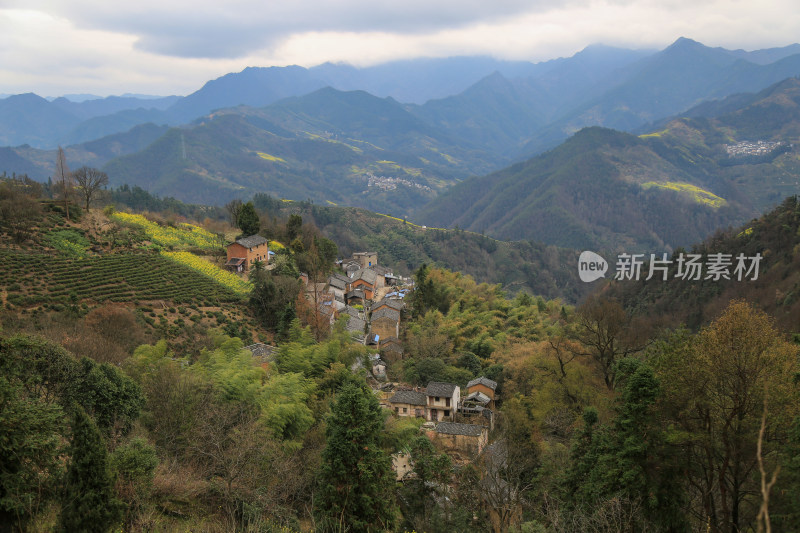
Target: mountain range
x,y
488,157
670,187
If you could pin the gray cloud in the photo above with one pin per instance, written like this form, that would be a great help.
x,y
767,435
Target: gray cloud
x,y
235,28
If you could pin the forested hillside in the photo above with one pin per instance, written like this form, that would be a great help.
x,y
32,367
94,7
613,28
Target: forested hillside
x,y
666,188
131,403
774,236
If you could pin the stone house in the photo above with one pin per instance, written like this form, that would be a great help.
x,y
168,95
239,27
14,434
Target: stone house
x,y
365,280
391,348
402,465
442,400
246,251
388,303
356,327
484,386
366,259
466,439
337,285
385,322
409,403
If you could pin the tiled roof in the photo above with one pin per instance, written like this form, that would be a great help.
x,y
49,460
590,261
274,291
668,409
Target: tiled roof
x,y
261,350
355,324
381,270
252,241
486,382
455,428
437,388
478,397
337,282
410,397
397,305
367,274
393,314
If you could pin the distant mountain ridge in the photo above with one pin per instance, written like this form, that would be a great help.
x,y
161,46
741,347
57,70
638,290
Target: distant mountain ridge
x,y
249,132
447,91
329,146
667,188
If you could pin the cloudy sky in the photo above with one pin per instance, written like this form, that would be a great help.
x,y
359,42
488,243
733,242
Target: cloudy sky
x,y
54,47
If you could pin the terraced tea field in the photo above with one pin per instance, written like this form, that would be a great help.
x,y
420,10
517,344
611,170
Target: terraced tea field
x,y
32,279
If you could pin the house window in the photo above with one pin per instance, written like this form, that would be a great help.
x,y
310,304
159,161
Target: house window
x,y
437,399
397,410
405,410
447,402
447,412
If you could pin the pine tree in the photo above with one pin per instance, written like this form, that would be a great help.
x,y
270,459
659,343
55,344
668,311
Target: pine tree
x,y
355,480
88,502
247,220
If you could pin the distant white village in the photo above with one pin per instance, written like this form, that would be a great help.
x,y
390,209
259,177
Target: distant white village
x,y
751,148
388,183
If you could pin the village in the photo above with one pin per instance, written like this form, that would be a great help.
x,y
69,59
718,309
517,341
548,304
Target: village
x,y
373,300
752,148
389,183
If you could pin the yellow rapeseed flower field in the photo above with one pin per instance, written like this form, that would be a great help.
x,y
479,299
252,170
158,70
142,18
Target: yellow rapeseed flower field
x,y
223,277
183,236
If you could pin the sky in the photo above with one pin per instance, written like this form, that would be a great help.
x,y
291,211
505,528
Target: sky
x,y
163,47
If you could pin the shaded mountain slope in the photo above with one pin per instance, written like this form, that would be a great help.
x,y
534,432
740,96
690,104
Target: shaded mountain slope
x,y
775,236
607,189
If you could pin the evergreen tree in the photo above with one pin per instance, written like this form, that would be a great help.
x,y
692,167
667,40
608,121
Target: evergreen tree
x,y
29,436
631,461
88,503
294,226
248,220
355,479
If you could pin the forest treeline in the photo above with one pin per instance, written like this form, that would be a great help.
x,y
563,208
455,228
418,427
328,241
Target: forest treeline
x,y
607,420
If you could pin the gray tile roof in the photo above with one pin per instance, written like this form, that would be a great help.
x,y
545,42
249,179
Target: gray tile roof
x,y
478,397
337,283
265,351
381,270
437,388
356,293
410,397
455,428
367,274
386,312
355,324
397,305
486,382
252,241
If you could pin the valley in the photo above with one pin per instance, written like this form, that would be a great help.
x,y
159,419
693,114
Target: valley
x,y
442,294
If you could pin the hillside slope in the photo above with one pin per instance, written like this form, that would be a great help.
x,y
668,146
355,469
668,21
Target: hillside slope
x,y
672,187
775,236
330,146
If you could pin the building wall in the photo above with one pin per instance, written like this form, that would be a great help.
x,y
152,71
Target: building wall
x,y
391,352
366,260
369,290
481,388
385,327
406,409
259,253
401,464
465,444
